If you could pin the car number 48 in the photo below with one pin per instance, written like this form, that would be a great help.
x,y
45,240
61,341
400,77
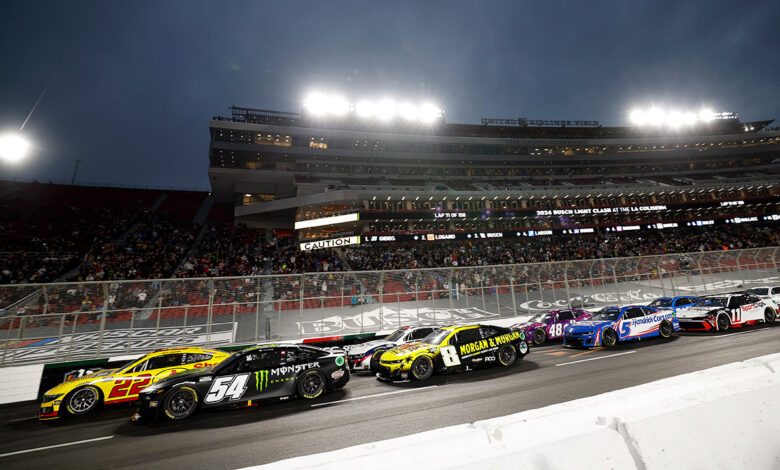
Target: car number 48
x,y
231,386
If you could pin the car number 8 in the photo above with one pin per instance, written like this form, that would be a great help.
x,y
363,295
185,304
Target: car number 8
x,y
450,356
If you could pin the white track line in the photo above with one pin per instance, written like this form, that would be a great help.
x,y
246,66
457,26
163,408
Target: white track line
x,y
594,358
373,396
731,335
56,445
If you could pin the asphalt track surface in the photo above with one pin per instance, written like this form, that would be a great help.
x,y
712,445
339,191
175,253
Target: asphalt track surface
x,y
366,410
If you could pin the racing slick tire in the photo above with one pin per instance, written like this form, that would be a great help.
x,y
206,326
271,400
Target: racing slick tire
x,y
422,368
665,329
180,403
769,316
722,321
373,366
83,400
608,338
507,355
311,384
540,336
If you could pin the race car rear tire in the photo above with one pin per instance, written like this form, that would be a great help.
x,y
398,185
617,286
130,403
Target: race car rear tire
x,y
507,355
722,321
665,329
540,336
83,400
422,368
769,316
180,403
608,338
311,384
374,364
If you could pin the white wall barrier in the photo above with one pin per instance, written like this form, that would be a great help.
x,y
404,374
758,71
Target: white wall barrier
x,y
20,383
721,418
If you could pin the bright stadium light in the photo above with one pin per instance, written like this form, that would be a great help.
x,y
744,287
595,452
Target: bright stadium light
x,y
385,109
638,117
408,111
13,147
365,108
338,106
674,118
316,104
429,113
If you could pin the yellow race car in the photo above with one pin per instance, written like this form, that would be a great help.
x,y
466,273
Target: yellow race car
x,y
81,395
452,348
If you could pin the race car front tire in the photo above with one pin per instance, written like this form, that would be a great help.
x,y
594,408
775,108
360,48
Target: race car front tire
x,y
769,316
180,403
608,338
540,336
722,321
82,400
665,329
374,364
507,355
422,368
311,384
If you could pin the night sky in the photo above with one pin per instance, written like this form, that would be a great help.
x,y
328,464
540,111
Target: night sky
x,y
135,83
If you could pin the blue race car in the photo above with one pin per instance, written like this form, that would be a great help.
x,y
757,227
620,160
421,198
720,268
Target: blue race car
x,y
674,303
612,324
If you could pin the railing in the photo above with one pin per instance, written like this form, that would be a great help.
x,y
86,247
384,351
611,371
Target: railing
x,y
85,320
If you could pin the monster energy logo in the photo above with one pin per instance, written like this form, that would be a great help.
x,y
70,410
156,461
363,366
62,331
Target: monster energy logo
x,y
261,380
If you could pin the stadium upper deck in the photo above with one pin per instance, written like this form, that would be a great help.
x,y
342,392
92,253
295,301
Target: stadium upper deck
x,y
406,179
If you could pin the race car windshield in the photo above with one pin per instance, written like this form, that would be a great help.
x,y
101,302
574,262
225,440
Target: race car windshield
x,y
758,291
606,314
541,318
661,303
436,337
396,335
712,302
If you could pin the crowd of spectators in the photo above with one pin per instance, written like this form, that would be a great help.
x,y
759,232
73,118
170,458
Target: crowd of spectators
x,y
153,251
227,250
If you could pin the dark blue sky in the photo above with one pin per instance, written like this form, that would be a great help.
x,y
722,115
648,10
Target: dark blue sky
x,y
135,83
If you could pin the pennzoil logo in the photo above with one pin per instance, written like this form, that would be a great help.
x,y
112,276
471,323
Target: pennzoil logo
x,y
482,344
261,380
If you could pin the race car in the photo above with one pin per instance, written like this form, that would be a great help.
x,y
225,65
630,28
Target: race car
x,y
271,371
612,324
674,303
721,312
769,294
359,358
82,395
451,349
549,324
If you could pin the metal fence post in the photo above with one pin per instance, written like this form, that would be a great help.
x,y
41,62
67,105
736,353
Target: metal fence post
x,y
566,284
102,320
512,289
257,312
157,324
210,313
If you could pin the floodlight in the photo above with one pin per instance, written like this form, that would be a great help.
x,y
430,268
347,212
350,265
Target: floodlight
x,y
365,108
338,106
13,147
429,113
656,116
316,104
408,111
638,117
385,109
706,115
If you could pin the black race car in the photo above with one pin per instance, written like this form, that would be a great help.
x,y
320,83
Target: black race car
x,y
278,371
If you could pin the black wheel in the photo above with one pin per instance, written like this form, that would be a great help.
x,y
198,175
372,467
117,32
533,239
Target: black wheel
x,y
311,384
666,329
769,316
540,336
507,355
374,364
422,368
608,338
180,403
722,321
82,400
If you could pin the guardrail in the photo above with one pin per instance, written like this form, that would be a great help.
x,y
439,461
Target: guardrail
x,y
67,321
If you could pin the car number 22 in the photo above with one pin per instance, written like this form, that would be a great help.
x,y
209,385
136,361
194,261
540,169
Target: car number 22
x,y
231,386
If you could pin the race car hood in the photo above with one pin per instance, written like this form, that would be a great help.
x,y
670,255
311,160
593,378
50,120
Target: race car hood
x,y
696,312
586,325
65,387
364,348
404,350
528,326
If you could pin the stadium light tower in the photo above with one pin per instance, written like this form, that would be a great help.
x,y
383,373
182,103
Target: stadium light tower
x,y
13,147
